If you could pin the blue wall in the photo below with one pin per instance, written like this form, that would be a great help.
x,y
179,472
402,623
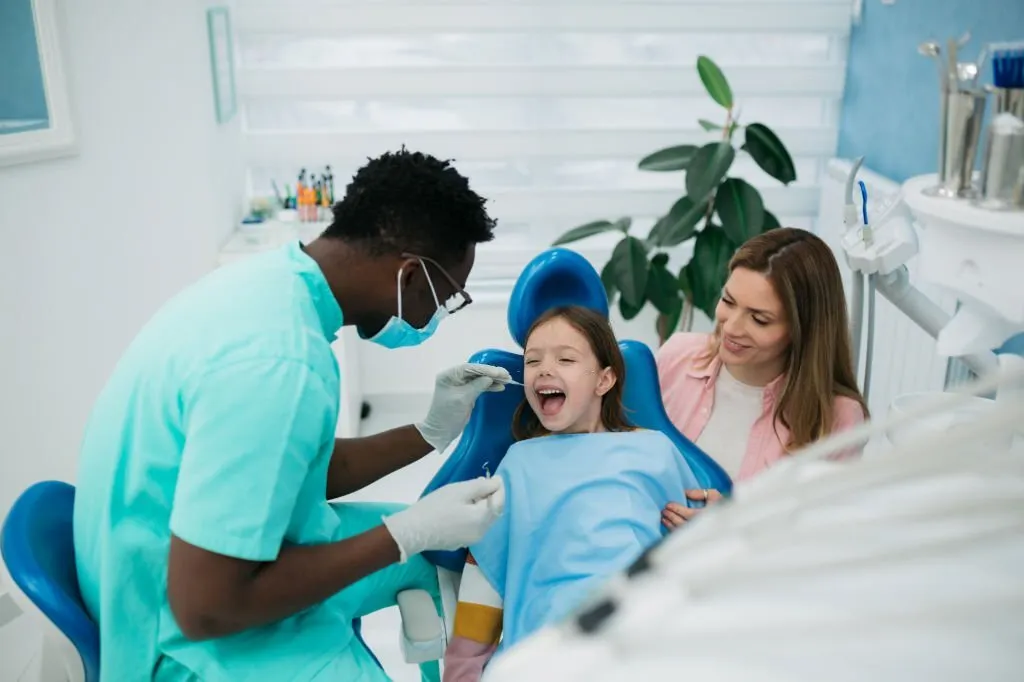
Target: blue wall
x,y
891,108
21,78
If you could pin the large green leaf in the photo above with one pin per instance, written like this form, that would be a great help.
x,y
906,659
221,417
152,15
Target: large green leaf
x,y
714,81
628,311
769,153
662,286
741,209
708,269
680,223
608,280
669,159
590,229
770,221
708,167
629,265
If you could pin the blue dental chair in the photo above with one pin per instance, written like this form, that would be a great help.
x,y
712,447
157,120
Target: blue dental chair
x,y
38,562
37,547
555,277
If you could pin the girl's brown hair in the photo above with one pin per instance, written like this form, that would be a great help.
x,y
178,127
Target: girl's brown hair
x,y
599,335
819,366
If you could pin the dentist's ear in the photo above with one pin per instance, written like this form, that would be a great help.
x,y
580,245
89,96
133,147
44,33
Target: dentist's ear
x,y
408,267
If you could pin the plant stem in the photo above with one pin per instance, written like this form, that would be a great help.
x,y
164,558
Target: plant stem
x,y
686,319
726,137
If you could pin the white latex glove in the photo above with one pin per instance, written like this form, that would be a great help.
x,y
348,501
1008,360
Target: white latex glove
x,y
453,516
455,392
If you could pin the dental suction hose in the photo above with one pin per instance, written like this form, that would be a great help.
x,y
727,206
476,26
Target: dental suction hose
x,y
851,222
856,318
857,302
871,335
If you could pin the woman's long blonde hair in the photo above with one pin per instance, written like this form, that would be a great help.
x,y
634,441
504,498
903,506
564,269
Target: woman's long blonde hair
x,y
819,366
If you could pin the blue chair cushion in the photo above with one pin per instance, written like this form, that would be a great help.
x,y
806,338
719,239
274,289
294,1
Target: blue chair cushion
x,y
557,277
37,544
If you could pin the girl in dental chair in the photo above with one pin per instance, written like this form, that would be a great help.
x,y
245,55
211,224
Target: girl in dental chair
x,y
584,492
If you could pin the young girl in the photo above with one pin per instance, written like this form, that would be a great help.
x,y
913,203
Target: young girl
x,y
584,493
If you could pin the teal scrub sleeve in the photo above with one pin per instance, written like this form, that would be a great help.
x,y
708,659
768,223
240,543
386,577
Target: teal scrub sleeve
x,y
253,430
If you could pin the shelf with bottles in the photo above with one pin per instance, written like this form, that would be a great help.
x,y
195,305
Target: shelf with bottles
x,y
309,201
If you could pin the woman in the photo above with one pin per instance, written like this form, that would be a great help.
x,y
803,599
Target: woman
x,y
777,372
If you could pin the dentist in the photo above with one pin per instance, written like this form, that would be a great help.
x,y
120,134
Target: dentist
x,y
207,545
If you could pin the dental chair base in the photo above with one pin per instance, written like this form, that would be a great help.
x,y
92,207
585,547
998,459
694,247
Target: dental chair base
x,y
425,635
422,637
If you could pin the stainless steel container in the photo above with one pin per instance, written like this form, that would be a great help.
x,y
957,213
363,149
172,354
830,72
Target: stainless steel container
x,y
1002,179
1008,101
961,117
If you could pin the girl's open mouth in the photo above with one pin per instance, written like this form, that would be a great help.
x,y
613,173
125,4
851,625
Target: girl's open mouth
x,y
551,401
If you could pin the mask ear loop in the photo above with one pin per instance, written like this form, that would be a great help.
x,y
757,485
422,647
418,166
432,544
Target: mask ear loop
x,y
398,284
430,283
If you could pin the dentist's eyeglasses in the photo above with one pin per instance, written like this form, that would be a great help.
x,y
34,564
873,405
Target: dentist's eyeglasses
x,y
458,300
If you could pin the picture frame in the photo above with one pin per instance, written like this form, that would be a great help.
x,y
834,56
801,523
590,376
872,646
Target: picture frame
x,y
36,121
222,62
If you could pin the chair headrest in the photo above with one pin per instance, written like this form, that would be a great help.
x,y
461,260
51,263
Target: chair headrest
x,y
555,277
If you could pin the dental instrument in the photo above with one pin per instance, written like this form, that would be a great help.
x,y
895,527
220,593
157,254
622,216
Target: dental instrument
x,y
507,381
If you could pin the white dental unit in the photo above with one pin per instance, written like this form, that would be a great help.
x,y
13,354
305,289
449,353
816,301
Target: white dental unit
x,y
906,565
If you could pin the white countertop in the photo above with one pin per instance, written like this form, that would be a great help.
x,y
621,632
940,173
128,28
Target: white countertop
x,y
257,237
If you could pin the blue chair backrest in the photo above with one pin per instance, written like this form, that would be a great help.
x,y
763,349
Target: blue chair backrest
x,y
37,544
557,277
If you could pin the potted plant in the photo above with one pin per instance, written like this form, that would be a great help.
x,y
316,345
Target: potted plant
x,y
717,211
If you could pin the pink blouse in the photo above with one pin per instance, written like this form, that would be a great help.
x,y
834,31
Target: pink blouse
x,y
688,393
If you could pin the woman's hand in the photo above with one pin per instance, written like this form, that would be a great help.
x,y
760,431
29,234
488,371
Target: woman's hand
x,y
675,514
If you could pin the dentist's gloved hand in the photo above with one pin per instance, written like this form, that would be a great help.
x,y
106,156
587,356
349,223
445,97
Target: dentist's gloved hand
x,y
455,391
453,516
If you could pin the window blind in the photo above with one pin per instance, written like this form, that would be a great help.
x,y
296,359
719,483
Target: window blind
x,y
546,106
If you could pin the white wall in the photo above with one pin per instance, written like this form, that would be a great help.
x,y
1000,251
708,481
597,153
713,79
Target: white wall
x,y
93,244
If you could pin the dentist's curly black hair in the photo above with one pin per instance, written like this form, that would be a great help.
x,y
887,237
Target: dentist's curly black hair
x,y
414,202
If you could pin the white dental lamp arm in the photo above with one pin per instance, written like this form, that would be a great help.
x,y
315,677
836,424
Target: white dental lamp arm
x,y
967,250
898,290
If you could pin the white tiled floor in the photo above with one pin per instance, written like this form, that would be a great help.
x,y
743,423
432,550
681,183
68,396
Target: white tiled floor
x,y
380,630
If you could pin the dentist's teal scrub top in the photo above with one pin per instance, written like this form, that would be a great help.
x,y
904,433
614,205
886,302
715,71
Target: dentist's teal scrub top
x,y
217,425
